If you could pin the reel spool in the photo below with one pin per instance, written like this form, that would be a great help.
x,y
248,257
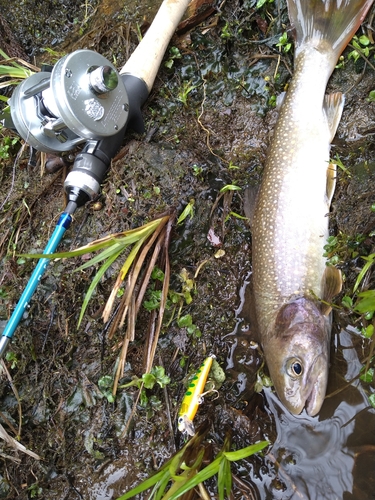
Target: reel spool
x,y
83,98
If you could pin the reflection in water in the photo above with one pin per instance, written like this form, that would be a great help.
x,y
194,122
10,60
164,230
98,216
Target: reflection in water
x,y
315,456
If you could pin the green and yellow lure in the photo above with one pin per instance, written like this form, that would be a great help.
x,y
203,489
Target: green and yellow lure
x,y
194,397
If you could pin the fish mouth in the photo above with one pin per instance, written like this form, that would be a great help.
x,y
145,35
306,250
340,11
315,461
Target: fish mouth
x,y
312,407
315,398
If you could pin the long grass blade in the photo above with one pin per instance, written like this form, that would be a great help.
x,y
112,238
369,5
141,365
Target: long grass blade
x,y
138,264
105,254
233,456
201,476
145,485
94,282
125,238
163,302
122,275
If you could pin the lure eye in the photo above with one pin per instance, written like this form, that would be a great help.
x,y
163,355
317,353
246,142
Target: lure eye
x,y
294,368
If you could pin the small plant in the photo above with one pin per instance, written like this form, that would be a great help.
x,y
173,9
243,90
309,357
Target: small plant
x,y
187,322
14,70
7,144
342,247
361,46
230,187
226,32
284,45
188,211
11,357
260,3
183,472
184,92
174,54
148,380
35,490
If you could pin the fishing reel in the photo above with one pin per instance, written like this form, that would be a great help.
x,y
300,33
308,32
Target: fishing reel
x,y
81,99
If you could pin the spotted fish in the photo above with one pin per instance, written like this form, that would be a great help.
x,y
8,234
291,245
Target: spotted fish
x,y
290,223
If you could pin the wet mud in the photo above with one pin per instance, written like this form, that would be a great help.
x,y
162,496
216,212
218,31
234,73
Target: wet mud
x,y
208,119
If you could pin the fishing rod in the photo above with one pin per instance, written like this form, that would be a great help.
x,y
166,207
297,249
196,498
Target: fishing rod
x,y
83,99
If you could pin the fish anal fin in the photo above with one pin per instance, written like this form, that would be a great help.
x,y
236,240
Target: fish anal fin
x,y
331,286
333,106
331,182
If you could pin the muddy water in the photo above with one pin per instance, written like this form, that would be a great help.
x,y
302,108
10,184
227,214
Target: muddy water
x,y
66,416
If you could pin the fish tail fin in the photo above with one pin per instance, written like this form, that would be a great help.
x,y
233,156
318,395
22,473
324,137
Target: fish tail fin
x,y
326,24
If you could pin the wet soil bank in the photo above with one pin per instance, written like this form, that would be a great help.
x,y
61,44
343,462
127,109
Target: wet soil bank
x,y
208,123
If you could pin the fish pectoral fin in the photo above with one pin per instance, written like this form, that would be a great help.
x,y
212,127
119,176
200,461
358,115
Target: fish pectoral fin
x,y
331,286
280,100
331,182
249,202
333,105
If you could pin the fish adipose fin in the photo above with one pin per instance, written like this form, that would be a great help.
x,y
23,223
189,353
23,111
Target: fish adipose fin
x,y
331,286
326,24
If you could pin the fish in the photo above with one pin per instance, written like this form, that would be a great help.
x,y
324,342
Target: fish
x,y
292,283
194,397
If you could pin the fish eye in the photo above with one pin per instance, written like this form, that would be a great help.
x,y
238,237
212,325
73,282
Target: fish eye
x,y
294,367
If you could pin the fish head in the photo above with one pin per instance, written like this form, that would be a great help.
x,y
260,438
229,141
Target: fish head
x,y
297,356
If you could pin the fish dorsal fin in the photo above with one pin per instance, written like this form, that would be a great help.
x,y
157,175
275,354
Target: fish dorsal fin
x,y
249,202
333,105
331,182
331,286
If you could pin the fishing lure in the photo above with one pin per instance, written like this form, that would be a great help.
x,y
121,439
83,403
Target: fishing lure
x,y
194,397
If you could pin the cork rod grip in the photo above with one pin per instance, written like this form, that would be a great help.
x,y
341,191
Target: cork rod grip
x,y
145,61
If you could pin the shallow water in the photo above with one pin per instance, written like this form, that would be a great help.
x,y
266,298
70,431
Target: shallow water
x,y
330,456
316,456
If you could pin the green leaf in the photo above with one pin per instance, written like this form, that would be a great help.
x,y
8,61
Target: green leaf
x,y
148,380
93,284
188,210
233,456
115,249
105,382
160,377
145,485
364,40
371,399
157,274
368,331
347,301
154,300
230,187
365,302
224,479
185,321
201,476
369,262
367,376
